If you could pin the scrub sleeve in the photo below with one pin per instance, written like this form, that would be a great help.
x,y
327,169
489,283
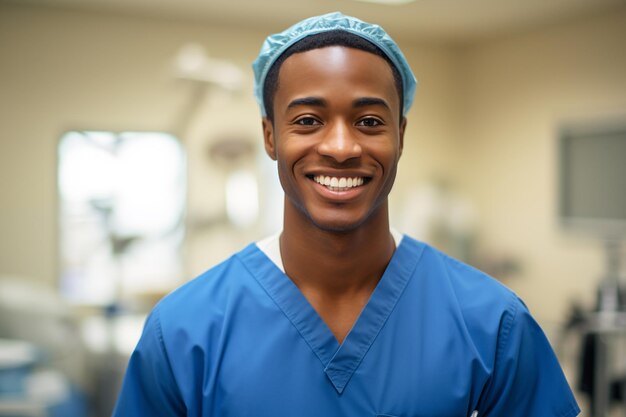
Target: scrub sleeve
x,y
524,355
149,388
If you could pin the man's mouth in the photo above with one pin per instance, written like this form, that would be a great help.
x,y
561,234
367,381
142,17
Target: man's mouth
x,y
339,183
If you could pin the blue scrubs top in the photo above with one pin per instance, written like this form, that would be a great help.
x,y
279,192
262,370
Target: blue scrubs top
x,y
437,338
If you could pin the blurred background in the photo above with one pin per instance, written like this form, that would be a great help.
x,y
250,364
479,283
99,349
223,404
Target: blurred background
x,y
131,160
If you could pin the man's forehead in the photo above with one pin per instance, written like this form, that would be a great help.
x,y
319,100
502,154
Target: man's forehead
x,y
337,57
311,77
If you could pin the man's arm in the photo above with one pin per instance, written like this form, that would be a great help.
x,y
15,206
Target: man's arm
x,y
527,379
149,387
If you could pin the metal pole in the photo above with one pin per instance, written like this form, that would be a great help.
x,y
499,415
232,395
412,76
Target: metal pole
x,y
600,382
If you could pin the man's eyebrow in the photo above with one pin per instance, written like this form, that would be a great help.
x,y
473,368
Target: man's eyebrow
x,y
307,101
370,101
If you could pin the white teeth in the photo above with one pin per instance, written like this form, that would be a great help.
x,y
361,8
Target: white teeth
x,y
338,183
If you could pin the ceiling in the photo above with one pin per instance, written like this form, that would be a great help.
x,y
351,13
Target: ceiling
x,y
455,21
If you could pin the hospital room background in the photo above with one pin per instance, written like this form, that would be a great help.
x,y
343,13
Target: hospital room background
x,y
131,160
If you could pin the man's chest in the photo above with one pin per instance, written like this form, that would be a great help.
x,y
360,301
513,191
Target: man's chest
x,y
273,370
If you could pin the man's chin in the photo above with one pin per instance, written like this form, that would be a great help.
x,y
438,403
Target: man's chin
x,y
337,224
339,219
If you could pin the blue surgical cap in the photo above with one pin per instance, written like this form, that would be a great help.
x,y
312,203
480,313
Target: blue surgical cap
x,y
275,45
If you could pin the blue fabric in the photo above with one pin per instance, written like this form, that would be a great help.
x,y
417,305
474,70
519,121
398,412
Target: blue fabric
x,y
276,44
437,338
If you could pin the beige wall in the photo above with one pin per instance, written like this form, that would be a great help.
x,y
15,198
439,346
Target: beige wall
x,y
515,94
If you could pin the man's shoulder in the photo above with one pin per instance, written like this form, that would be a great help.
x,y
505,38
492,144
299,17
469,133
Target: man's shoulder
x,y
477,303
474,292
463,276
207,295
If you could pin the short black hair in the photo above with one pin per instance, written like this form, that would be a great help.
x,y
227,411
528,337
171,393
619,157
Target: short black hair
x,y
323,40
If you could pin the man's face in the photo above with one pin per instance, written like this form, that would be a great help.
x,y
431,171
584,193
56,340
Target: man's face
x,y
336,135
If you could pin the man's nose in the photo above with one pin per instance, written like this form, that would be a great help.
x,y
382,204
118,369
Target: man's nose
x,y
340,143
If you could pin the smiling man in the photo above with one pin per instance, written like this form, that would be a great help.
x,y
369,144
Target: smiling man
x,y
338,315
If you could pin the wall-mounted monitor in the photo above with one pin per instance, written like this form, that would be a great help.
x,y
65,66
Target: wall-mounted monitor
x,y
592,183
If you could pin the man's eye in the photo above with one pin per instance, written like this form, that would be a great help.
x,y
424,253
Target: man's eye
x,y
369,122
307,121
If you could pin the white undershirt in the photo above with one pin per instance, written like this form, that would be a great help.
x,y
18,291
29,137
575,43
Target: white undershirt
x,y
270,246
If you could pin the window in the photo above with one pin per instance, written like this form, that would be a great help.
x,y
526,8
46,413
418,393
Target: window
x,y
121,214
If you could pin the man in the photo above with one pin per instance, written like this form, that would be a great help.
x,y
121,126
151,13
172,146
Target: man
x,y
337,315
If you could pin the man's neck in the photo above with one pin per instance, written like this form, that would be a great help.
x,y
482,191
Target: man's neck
x,y
336,264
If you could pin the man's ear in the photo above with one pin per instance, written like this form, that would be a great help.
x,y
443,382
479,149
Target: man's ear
x,y
401,134
268,138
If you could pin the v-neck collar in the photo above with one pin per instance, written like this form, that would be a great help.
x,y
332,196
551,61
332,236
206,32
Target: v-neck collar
x,y
339,361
